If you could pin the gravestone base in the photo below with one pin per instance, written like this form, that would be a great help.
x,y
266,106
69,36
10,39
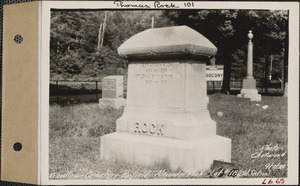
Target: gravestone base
x,y
165,153
250,93
113,103
249,90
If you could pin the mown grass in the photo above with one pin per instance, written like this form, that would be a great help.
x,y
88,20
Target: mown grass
x,y
75,137
251,127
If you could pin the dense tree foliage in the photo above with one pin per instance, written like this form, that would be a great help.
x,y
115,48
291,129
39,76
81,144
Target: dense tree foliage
x,y
75,53
228,30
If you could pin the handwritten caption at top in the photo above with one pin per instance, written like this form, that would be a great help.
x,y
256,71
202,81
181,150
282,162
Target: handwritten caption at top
x,y
155,5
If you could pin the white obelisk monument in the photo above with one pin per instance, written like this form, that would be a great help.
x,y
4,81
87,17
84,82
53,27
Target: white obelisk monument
x,y
249,83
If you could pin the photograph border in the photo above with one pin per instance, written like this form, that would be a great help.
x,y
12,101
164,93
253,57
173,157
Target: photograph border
x,y
293,93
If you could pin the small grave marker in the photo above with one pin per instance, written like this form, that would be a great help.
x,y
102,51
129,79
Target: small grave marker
x,y
112,92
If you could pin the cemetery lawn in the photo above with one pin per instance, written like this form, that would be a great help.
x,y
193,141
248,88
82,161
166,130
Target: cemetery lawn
x,y
75,130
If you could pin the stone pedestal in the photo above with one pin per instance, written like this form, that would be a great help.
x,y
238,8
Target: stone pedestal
x,y
166,123
112,92
249,90
166,153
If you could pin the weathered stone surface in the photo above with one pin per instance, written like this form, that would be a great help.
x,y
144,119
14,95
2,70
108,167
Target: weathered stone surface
x,y
249,90
112,92
249,83
250,93
112,87
167,42
166,153
172,91
166,121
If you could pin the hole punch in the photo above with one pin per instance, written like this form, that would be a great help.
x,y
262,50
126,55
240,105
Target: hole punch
x,y
18,39
17,146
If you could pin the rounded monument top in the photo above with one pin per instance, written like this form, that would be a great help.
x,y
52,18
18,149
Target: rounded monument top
x,y
250,35
166,42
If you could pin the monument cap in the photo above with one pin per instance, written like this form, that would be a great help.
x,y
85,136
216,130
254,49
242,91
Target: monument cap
x,y
165,42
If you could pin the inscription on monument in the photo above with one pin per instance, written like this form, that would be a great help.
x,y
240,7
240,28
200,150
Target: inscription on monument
x,y
156,73
148,128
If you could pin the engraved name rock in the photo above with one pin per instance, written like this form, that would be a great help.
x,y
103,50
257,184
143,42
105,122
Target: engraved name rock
x,y
149,128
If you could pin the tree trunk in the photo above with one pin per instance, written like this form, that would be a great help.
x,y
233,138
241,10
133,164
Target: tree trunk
x,y
103,30
152,22
285,94
286,60
57,49
227,73
99,36
266,79
282,76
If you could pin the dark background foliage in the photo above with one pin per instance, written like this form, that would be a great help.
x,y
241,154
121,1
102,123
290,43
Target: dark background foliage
x,y
75,52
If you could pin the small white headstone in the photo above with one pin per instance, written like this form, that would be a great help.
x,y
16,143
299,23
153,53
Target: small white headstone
x,y
112,92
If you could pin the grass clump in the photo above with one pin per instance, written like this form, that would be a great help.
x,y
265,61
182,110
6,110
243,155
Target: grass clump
x,y
82,120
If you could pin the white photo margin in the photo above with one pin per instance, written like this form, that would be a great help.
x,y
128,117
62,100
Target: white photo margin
x,y
293,93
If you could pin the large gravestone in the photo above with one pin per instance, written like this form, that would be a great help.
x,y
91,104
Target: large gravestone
x,y
112,92
166,122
